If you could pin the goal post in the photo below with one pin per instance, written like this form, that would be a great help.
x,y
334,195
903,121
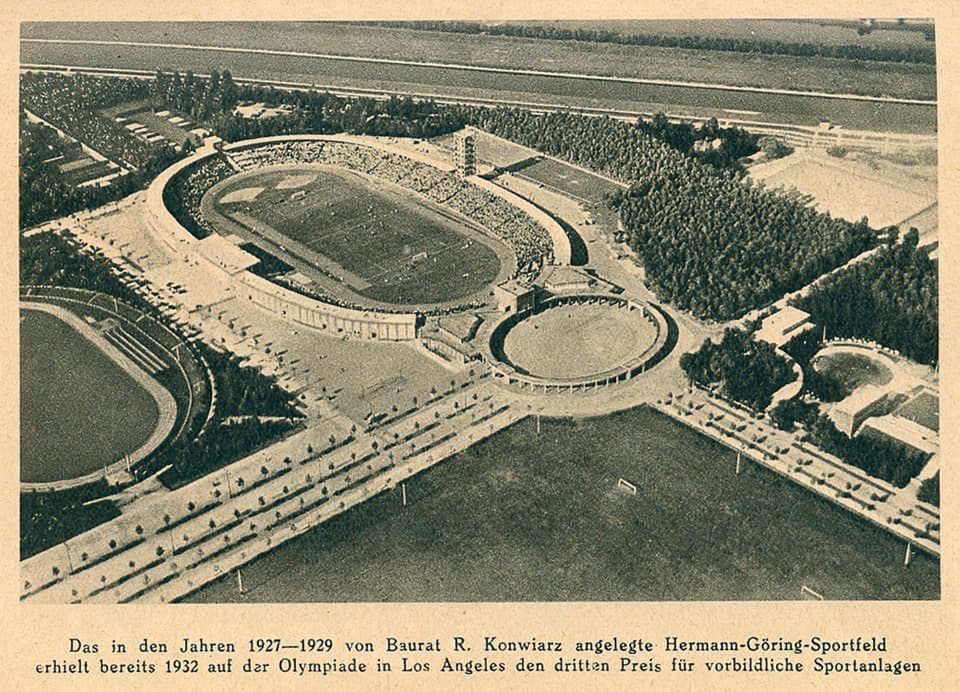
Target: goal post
x,y
809,594
626,486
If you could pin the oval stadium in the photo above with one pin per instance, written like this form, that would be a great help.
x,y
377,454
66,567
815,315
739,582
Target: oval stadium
x,y
351,234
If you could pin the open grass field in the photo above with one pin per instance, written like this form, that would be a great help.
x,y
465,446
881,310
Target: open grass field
x,y
384,245
527,517
853,370
78,410
573,341
849,189
569,179
811,74
542,89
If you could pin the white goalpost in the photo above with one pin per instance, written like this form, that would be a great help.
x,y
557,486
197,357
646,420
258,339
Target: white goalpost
x,y
809,594
626,486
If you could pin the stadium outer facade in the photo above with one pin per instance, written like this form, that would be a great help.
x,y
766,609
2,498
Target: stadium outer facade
x,y
286,303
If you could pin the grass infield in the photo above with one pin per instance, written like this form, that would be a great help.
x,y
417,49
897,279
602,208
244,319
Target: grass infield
x,y
78,410
527,517
385,246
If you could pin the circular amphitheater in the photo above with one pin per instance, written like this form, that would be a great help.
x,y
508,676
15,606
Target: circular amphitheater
x,y
104,387
352,235
579,342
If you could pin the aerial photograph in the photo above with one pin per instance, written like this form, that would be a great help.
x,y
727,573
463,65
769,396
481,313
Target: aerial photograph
x,y
479,311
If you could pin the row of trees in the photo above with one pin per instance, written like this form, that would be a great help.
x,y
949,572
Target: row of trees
x,y
879,456
204,99
320,112
906,52
244,391
745,369
891,298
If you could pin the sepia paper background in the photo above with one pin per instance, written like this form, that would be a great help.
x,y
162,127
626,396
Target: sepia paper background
x,y
925,631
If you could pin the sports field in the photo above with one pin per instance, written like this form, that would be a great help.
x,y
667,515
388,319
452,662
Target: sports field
x,y
569,179
382,244
78,410
527,517
849,189
573,341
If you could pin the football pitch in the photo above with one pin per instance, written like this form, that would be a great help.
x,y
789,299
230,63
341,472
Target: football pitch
x,y
569,180
530,517
79,411
382,244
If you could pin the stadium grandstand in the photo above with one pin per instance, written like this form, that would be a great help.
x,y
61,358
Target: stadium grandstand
x,y
527,238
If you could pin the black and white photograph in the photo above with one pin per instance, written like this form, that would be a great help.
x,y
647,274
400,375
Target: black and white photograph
x,y
474,311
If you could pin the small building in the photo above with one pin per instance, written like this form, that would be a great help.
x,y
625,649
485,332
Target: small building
x,y
783,325
564,279
865,402
515,296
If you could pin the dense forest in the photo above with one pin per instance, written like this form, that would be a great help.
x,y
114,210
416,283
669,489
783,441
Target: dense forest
x,y
930,490
746,370
890,298
718,246
922,53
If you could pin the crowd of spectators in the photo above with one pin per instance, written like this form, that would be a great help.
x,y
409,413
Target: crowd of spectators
x,y
183,195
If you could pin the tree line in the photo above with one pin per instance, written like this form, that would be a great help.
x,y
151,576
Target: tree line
x,y
906,53
891,298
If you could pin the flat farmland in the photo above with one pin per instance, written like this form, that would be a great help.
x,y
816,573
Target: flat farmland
x,y
384,246
536,89
537,517
569,179
809,74
79,411
831,33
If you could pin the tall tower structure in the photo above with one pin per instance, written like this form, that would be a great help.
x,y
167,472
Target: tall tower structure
x,y
466,154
